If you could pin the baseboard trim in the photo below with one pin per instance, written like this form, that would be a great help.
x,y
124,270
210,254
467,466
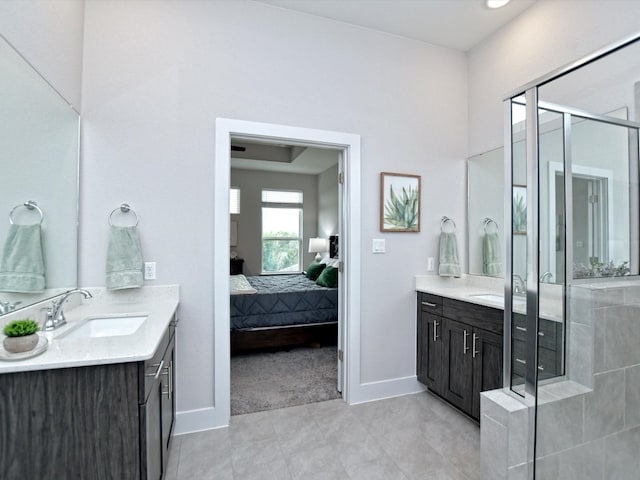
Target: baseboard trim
x,y
396,387
191,421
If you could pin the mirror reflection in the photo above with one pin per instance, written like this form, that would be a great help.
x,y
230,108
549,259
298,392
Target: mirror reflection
x,y
600,188
39,164
486,213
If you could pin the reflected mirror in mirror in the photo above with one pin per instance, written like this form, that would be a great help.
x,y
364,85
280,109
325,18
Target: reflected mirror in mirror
x,y
485,213
39,162
600,189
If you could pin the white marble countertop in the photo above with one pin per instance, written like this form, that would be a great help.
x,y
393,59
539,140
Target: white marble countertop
x,y
65,352
468,287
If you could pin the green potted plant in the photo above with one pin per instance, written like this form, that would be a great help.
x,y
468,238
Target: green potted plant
x,y
21,335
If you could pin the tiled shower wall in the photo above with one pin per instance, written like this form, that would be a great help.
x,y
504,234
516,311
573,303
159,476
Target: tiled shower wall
x,y
588,424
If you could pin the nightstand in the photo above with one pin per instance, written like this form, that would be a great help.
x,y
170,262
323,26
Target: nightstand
x,y
236,266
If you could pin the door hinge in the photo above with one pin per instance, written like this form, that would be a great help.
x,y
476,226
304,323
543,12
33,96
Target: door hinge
x,y
340,355
340,266
341,178
593,198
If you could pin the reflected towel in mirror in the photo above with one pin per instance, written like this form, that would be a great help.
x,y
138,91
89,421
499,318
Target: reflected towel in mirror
x,y
22,262
491,261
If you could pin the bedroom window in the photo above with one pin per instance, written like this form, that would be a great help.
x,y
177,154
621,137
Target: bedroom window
x,y
234,201
281,231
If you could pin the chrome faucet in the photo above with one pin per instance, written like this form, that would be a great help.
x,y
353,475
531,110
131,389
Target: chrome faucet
x,y
6,307
55,314
519,285
546,277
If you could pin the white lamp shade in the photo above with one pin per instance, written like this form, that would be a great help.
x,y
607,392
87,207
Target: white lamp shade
x,y
317,245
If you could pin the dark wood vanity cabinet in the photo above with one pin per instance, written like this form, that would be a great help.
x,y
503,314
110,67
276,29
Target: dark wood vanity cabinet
x,y
157,413
90,423
430,344
459,350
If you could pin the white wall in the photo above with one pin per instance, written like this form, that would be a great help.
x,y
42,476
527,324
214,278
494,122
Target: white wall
x,y
547,36
49,35
157,74
251,183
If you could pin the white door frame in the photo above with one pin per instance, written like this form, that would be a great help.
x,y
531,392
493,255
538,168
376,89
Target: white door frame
x,y
349,246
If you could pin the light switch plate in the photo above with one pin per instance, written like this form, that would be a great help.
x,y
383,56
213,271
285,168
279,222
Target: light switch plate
x,y
431,264
378,245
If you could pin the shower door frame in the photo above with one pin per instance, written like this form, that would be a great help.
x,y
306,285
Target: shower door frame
x,y
532,104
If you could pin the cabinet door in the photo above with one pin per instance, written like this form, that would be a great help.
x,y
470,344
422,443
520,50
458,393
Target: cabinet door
x,y
167,400
430,371
458,365
487,354
153,431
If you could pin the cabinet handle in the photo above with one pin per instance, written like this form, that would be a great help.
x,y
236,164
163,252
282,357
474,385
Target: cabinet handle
x,y
464,342
157,372
522,329
473,348
435,330
170,379
429,304
168,372
519,360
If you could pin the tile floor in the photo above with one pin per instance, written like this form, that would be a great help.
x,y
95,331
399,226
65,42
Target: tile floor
x,y
404,438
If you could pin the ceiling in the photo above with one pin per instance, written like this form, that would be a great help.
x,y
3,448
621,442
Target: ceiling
x,y
272,156
457,24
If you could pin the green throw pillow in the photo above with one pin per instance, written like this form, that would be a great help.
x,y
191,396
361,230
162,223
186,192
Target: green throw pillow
x,y
328,278
314,270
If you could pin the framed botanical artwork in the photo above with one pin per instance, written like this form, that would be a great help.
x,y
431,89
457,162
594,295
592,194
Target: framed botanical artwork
x,y
519,212
399,202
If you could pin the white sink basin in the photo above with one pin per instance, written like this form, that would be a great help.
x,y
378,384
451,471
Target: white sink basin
x,y
107,326
489,297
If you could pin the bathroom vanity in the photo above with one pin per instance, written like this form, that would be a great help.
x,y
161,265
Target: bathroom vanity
x,y
459,350
93,408
460,339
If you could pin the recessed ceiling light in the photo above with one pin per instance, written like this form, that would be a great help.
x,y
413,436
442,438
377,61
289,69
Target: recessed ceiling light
x,y
497,3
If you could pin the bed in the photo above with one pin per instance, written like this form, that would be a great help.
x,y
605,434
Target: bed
x,y
281,311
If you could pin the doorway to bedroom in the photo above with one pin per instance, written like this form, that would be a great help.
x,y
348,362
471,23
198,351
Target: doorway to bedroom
x,y
284,210
337,234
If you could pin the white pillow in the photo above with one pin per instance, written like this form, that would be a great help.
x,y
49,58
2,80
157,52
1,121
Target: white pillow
x,y
330,262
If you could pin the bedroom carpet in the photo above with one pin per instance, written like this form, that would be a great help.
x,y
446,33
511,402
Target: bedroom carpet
x,y
266,381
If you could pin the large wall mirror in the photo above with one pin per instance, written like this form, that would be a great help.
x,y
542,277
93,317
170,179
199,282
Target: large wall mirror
x,y
39,163
602,200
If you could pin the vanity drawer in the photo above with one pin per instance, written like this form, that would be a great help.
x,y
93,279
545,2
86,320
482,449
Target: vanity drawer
x,y
549,331
479,316
548,361
430,303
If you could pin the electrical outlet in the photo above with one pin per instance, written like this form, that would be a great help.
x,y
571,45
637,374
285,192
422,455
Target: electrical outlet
x,y
149,270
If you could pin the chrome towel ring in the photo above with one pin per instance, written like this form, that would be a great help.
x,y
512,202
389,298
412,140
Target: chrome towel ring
x,y
124,208
30,205
487,224
444,221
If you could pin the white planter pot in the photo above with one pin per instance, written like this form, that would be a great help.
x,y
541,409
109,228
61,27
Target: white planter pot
x,y
20,344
